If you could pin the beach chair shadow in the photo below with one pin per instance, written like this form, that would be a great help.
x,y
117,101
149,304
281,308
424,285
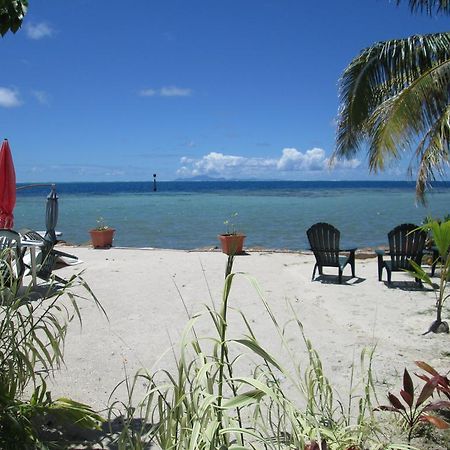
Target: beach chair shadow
x,y
407,286
324,242
406,243
332,279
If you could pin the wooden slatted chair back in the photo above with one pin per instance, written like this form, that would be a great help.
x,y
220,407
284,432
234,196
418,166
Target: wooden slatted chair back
x,y
406,242
324,242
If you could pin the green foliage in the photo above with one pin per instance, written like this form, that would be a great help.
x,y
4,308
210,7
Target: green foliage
x,y
394,97
231,223
429,219
430,7
209,402
32,333
12,13
440,235
101,225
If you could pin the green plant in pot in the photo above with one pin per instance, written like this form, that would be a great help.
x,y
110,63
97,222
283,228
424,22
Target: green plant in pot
x,y
232,241
102,235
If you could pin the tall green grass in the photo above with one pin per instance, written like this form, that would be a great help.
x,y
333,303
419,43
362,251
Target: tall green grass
x,y
33,326
212,400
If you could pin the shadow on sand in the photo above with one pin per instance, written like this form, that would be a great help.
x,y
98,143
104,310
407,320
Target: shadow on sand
x,y
333,279
78,438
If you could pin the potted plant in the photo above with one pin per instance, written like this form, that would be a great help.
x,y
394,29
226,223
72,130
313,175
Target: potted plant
x,y
102,235
232,242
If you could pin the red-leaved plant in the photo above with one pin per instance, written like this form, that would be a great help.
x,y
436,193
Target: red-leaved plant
x,y
313,445
442,382
414,412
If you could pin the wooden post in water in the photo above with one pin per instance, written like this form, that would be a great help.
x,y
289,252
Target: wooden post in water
x,y
154,182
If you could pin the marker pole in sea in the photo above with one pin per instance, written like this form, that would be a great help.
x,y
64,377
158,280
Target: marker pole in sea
x,y
154,182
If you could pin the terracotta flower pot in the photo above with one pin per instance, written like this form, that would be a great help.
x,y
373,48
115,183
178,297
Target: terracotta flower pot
x,y
232,244
102,238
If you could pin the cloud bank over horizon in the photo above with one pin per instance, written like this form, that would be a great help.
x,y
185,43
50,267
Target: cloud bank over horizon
x,y
216,164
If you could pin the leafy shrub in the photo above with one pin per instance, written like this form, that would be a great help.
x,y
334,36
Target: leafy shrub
x,y
207,403
32,332
414,411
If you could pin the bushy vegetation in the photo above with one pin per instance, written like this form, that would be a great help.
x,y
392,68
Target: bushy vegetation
x,y
439,234
228,392
33,326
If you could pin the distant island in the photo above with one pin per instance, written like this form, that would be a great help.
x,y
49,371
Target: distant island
x,y
208,178
203,178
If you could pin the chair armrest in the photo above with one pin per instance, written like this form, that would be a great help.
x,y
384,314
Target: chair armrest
x,y
67,255
380,252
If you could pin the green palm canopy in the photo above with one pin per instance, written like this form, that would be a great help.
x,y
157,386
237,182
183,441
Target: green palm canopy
x,y
394,98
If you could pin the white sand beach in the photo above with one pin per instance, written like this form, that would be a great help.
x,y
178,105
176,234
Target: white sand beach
x,y
145,292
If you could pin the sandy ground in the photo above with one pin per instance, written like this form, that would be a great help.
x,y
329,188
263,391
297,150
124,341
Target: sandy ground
x,y
148,295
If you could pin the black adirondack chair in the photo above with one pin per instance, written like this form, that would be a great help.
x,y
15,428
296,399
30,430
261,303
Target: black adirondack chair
x,y
406,242
324,241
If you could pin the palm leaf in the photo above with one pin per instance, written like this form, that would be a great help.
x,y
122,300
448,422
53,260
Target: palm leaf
x,y
393,95
430,7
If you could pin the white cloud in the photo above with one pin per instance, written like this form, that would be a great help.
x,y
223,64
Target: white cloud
x,y
291,160
39,30
173,91
347,164
42,97
219,164
166,91
9,98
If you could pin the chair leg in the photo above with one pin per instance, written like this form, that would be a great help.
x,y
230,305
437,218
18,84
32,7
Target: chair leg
x,y
340,275
380,267
389,274
433,268
314,272
352,264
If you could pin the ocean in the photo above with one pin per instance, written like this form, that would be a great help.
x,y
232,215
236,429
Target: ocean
x,y
272,214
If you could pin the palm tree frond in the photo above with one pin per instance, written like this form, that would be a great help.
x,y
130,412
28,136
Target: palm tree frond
x,y
378,73
432,155
430,7
393,95
397,122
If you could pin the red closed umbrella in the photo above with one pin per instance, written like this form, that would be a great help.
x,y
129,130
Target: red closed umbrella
x,y
7,187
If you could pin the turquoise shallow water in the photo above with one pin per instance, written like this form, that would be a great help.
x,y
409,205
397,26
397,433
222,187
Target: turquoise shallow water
x,y
271,214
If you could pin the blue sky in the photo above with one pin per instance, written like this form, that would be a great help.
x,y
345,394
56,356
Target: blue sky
x,y
91,91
